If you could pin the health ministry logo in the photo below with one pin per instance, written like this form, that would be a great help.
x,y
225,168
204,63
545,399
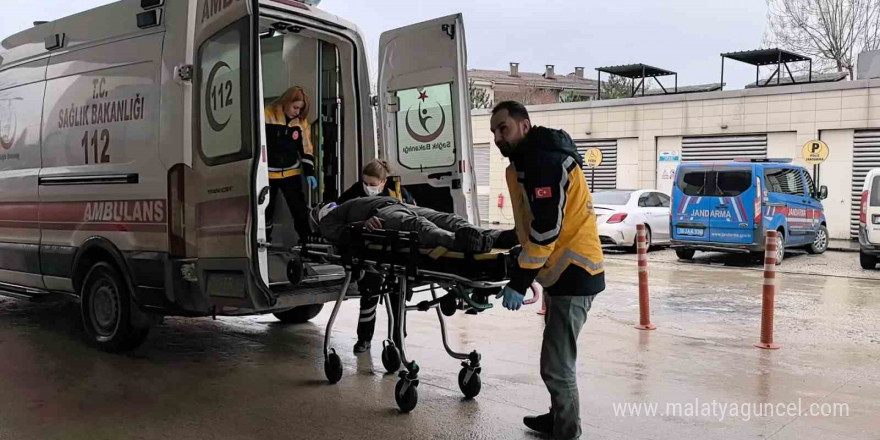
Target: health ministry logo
x,y
426,112
8,123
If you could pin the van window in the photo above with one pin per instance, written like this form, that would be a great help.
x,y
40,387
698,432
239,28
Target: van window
x,y
693,183
715,182
425,133
875,192
731,183
224,96
784,181
811,185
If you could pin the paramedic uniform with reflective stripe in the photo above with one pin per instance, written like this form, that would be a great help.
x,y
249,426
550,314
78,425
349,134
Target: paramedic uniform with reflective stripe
x,y
291,159
556,226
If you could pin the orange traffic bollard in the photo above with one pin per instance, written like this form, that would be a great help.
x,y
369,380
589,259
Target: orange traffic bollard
x,y
769,292
644,300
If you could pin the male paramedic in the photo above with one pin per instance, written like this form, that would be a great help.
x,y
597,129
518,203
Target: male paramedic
x,y
556,226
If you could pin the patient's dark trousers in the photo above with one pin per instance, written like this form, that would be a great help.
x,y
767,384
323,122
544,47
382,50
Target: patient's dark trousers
x,y
434,228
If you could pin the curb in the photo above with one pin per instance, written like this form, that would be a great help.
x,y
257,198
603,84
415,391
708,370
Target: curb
x,y
843,249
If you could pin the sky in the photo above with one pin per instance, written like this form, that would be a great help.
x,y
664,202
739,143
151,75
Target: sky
x,y
685,36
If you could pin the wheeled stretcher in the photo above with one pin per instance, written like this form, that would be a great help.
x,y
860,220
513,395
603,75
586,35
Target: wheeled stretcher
x,y
455,280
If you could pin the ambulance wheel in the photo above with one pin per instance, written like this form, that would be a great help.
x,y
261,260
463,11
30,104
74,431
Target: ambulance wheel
x,y
408,399
780,253
820,244
867,261
299,315
472,387
333,368
685,254
111,320
391,359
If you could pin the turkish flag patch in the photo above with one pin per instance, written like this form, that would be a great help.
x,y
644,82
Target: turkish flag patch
x,y
544,192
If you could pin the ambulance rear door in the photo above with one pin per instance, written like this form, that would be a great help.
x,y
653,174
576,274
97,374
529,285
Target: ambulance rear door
x,y
424,111
229,157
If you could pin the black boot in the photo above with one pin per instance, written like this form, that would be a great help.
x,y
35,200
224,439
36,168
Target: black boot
x,y
542,423
470,240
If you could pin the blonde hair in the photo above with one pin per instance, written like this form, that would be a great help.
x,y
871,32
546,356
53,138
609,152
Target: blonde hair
x,y
376,168
294,94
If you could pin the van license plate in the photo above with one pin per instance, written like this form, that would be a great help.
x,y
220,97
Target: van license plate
x,y
692,232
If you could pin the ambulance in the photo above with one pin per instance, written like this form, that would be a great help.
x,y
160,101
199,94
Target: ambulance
x,y
133,171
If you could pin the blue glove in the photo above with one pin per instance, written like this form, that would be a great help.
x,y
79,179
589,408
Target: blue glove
x,y
312,181
513,300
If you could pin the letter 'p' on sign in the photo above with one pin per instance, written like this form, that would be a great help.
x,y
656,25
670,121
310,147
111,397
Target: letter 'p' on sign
x,y
815,152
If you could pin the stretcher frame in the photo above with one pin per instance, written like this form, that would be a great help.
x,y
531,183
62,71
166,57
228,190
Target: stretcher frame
x,y
380,252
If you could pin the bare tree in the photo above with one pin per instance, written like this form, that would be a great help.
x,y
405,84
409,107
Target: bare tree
x,y
619,87
832,32
480,97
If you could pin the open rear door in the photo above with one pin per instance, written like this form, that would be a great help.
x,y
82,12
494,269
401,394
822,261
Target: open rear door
x,y
229,165
425,113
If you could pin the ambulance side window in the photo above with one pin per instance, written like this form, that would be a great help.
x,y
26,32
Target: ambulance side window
x,y
223,96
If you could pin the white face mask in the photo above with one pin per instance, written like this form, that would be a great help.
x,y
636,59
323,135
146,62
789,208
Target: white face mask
x,y
372,190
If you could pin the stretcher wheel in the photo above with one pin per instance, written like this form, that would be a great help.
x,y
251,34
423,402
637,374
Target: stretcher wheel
x,y
448,305
333,367
391,358
406,400
470,384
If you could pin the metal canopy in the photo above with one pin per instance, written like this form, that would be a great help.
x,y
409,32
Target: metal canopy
x,y
768,57
637,71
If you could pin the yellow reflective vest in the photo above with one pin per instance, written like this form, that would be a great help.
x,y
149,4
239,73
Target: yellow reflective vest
x,y
555,220
289,145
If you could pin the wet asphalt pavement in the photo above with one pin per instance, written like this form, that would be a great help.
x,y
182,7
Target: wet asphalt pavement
x,y
253,378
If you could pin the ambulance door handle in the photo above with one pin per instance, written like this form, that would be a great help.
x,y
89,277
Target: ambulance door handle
x,y
263,193
440,175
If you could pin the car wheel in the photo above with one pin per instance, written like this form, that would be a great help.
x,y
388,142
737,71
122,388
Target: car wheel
x,y
635,246
111,320
299,315
780,252
867,261
685,254
820,244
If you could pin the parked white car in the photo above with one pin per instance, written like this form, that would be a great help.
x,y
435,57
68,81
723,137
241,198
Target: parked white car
x,y
619,211
869,221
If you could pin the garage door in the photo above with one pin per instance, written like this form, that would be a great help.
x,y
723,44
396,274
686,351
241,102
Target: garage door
x,y
712,148
866,156
606,173
481,167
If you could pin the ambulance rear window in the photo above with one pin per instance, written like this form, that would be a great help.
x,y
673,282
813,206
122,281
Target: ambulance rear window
x,y
875,191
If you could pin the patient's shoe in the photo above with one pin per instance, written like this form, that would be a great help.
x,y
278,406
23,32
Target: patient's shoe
x,y
470,240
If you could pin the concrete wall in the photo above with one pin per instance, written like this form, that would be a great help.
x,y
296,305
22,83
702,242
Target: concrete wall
x,y
647,126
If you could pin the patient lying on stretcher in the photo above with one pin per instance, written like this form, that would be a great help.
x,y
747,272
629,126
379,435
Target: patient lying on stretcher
x,y
434,228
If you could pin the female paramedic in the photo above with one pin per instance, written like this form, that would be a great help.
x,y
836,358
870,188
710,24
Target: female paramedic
x,y
374,182
291,156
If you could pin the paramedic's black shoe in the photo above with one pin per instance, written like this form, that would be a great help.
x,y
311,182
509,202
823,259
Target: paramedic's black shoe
x,y
362,347
470,240
542,423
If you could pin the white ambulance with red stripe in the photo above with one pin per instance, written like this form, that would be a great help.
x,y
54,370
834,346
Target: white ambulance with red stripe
x,y
132,151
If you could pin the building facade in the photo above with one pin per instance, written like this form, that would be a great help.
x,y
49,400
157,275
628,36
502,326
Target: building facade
x,y
644,139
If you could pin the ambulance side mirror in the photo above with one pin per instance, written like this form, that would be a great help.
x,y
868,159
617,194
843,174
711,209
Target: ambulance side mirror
x,y
823,192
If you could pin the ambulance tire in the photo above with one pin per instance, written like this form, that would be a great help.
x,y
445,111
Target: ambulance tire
x,y
112,321
299,315
685,254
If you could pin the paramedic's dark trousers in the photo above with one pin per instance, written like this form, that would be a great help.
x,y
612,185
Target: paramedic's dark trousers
x,y
367,321
566,316
292,189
